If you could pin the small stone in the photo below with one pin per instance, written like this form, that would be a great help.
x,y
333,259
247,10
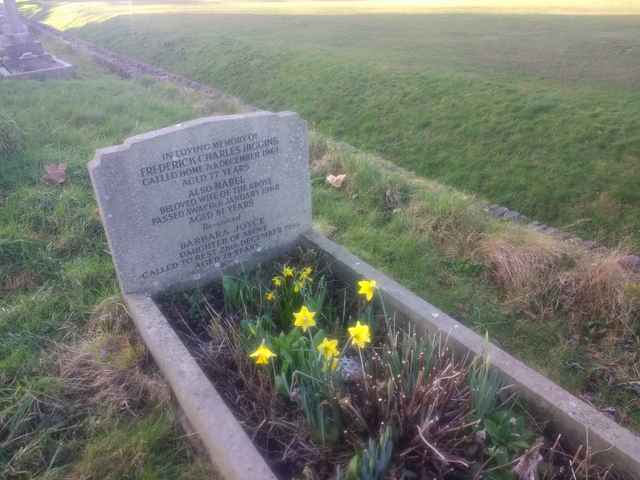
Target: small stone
x,y
511,215
350,369
500,211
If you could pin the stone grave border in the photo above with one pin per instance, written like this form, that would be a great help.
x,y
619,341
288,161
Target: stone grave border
x,y
60,70
236,458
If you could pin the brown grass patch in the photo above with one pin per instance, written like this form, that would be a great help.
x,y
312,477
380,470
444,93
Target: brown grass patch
x,y
110,368
527,266
111,372
599,288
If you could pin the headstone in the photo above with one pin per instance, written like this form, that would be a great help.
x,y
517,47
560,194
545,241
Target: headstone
x,y
16,27
184,203
22,56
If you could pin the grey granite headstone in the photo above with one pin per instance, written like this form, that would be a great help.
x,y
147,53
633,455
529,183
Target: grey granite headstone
x,y
182,204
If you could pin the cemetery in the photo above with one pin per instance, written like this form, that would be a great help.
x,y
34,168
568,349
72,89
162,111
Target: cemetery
x,y
235,332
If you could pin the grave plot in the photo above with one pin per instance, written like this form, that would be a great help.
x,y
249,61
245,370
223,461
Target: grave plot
x,y
267,330
22,56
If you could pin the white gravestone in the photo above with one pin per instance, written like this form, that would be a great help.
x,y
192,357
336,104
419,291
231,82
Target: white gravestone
x,y
182,204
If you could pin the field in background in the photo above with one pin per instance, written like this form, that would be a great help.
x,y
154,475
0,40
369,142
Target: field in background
x,y
540,113
71,14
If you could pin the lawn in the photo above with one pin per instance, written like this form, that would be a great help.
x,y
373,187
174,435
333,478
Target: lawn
x,y
540,113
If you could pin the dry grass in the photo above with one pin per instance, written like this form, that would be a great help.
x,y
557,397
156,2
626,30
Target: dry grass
x,y
600,288
110,368
541,274
527,266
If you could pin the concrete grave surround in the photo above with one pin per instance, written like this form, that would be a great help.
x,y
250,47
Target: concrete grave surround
x,y
183,203
236,458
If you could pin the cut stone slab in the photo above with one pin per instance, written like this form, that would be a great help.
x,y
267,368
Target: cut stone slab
x,y
184,203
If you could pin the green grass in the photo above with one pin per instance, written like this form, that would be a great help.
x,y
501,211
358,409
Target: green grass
x,y
539,113
53,233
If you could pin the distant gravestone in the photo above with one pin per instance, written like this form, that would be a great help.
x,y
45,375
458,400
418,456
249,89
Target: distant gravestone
x,y
21,56
181,204
14,25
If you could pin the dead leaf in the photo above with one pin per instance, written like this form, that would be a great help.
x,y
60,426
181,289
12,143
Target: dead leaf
x,y
336,181
56,174
527,466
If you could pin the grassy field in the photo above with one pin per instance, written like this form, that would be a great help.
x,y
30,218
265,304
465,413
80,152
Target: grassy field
x,y
540,113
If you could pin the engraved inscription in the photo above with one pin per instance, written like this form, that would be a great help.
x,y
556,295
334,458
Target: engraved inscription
x,y
182,203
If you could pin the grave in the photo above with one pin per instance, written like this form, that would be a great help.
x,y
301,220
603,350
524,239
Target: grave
x,y
22,56
184,204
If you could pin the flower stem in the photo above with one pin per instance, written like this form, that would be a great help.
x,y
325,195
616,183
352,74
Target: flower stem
x,y
364,374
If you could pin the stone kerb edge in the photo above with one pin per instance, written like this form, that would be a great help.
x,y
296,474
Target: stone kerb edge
x,y
229,447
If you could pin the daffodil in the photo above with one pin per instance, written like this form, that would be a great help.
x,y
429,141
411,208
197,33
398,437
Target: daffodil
x,y
360,334
305,274
270,296
277,281
297,286
367,288
305,319
328,348
288,271
262,354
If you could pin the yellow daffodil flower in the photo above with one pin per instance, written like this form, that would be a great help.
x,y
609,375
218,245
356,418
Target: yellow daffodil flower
x,y
277,281
305,274
360,334
262,354
328,348
367,288
270,296
288,271
305,319
297,286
